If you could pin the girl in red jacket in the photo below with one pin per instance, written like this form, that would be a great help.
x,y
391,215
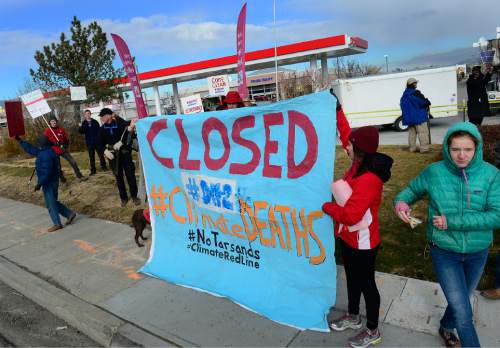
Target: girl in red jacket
x,y
366,177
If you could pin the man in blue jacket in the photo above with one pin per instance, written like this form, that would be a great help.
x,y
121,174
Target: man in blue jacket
x,y
415,108
47,171
90,128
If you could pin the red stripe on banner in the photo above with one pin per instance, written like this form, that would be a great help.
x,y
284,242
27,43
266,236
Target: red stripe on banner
x,y
34,101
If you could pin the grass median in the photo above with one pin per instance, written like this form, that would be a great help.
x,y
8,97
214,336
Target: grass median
x,y
403,250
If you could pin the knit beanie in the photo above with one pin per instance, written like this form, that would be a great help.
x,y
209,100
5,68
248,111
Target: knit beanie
x,y
365,139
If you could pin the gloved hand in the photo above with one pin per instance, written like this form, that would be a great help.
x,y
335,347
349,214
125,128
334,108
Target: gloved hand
x,y
109,155
38,187
117,145
402,210
328,208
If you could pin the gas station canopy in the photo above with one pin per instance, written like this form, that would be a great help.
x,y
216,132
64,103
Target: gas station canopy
x,y
305,51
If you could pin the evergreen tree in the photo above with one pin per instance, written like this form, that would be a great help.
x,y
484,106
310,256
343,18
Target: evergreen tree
x,y
82,60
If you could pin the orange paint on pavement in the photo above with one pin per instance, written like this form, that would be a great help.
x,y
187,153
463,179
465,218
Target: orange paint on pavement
x,y
85,246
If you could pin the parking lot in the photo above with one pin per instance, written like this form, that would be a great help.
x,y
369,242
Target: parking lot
x,y
439,126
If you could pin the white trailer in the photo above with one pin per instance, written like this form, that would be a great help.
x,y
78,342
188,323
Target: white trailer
x,y
374,100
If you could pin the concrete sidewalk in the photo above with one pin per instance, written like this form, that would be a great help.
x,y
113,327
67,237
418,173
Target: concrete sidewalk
x,y
86,274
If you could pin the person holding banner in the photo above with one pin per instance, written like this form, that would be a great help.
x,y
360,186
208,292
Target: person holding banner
x,y
464,209
60,142
478,105
90,128
116,136
47,172
233,100
359,245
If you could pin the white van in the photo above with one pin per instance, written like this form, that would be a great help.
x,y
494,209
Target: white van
x,y
374,100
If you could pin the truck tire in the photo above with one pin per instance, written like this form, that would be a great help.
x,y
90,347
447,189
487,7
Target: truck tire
x,y
399,126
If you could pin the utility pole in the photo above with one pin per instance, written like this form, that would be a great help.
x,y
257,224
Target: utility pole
x,y
386,63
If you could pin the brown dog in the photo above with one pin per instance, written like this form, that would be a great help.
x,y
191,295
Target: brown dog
x,y
139,223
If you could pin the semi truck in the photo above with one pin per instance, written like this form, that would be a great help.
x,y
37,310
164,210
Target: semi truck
x,y
374,100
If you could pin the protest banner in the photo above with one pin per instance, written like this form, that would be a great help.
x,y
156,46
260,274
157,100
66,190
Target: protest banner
x,y
235,198
128,65
218,85
78,93
35,103
15,119
192,104
240,53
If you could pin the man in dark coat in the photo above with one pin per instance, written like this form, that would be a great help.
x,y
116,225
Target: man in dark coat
x,y
47,172
90,128
477,104
114,135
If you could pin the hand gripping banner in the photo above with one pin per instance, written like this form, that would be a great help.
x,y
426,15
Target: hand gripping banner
x,y
235,199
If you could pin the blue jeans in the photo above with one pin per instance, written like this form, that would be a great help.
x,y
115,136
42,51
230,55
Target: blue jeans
x,y
50,192
458,274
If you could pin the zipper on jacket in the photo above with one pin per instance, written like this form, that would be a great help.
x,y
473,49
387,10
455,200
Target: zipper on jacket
x,y
462,209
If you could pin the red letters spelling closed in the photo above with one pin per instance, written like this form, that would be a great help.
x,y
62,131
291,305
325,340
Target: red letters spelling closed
x,y
270,146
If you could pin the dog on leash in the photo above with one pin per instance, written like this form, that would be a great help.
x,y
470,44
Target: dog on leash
x,y
140,219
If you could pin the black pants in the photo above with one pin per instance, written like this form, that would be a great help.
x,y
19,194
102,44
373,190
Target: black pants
x,y
360,273
100,152
476,120
67,156
123,164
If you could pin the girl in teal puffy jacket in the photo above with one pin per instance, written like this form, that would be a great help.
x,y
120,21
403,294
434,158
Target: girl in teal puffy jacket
x,y
464,209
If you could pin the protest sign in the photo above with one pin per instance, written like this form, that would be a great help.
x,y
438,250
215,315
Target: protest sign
x,y
78,93
235,198
35,103
218,85
192,104
240,53
15,120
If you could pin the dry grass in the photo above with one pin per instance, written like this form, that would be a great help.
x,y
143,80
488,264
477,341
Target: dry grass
x,y
402,250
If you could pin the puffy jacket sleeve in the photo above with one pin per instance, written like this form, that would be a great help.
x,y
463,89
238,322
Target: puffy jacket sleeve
x,y
484,220
82,129
343,127
65,138
415,190
30,149
364,193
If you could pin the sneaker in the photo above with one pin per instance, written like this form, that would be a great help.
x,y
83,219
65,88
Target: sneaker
x,y
82,178
347,321
54,228
365,338
449,338
124,202
71,219
136,201
491,294
92,172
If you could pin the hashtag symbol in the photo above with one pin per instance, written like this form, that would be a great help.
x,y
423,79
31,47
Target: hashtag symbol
x,y
192,189
191,235
158,200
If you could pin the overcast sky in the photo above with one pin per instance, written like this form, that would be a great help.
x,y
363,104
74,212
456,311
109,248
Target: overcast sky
x,y
169,32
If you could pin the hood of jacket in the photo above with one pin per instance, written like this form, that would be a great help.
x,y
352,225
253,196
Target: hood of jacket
x,y
381,165
478,154
43,142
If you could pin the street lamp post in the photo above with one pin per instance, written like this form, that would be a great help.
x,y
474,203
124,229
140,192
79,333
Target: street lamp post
x,y
386,63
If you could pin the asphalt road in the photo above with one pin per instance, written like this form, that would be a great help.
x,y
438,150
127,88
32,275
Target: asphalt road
x,y
439,126
24,323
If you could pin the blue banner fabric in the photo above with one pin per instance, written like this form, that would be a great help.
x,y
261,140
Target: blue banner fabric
x,y
235,199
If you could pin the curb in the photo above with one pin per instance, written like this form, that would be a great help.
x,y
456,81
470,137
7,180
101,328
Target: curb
x,y
98,324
